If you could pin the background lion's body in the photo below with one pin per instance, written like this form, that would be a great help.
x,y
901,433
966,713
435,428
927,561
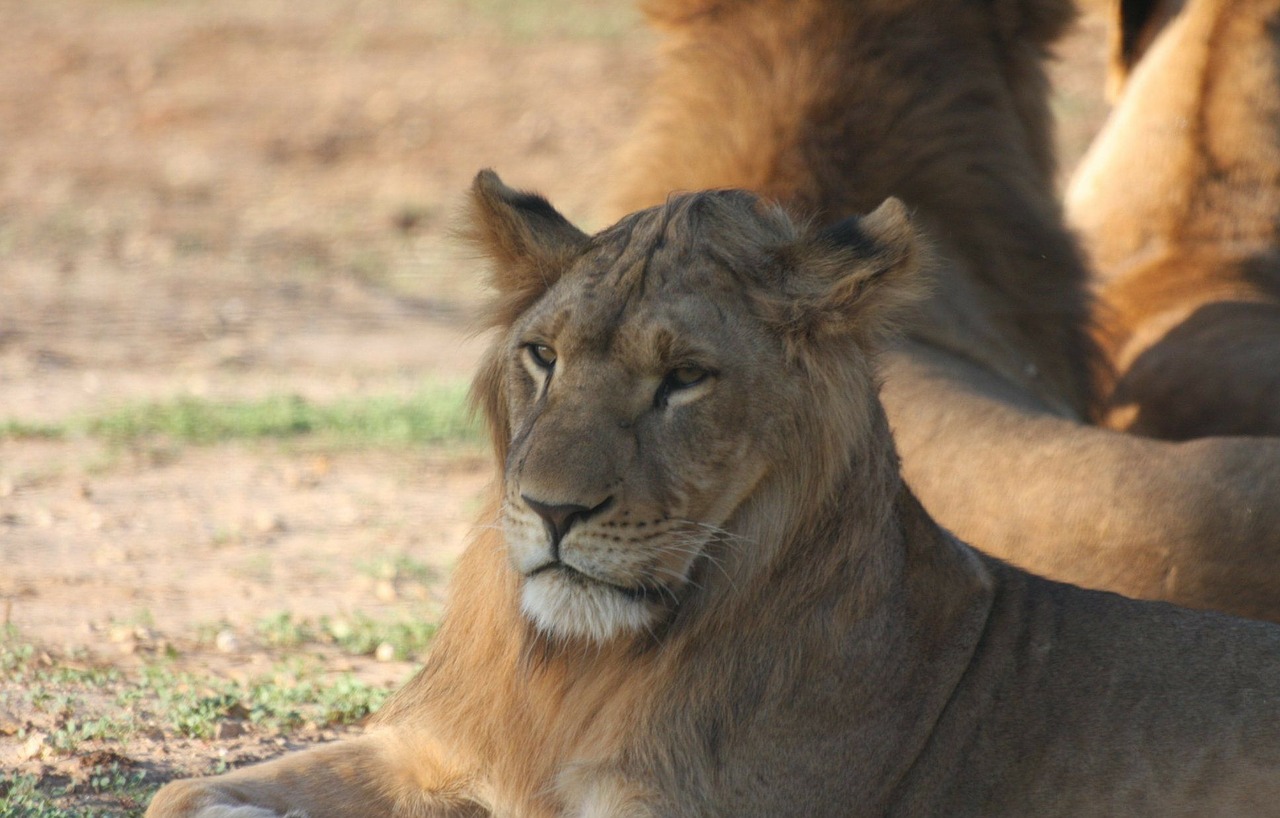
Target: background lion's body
x,y
1179,202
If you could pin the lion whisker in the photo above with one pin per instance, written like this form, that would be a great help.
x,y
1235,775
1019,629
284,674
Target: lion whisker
x,y
722,535
702,553
675,575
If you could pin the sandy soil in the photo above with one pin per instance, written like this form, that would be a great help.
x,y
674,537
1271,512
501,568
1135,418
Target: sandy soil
x,y
241,199
254,197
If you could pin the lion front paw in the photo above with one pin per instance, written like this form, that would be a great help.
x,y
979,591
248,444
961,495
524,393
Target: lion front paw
x,y
187,799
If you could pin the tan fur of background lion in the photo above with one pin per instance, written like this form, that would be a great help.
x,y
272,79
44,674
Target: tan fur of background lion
x,y
777,628
830,106
1179,202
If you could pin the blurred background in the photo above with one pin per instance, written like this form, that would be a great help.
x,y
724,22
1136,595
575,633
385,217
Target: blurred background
x,y
234,329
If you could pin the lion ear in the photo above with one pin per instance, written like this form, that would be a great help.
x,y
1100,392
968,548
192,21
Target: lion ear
x,y
528,241
856,277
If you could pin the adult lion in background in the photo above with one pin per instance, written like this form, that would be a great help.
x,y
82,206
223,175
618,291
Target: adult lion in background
x,y
828,106
705,591
1179,202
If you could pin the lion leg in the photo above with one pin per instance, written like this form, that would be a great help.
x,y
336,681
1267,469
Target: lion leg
x,y
370,775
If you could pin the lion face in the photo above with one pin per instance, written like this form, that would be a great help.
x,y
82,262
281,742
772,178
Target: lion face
x,y
648,382
633,439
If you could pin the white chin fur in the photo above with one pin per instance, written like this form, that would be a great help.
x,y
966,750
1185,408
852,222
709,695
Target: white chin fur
x,y
571,609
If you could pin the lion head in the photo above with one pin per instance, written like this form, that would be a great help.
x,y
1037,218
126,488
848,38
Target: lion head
x,y
650,391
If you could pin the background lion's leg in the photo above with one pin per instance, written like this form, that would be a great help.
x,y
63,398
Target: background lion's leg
x,y
370,775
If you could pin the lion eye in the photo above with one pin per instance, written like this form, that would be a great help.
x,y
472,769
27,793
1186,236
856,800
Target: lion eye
x,y
542,355
679,378
686,376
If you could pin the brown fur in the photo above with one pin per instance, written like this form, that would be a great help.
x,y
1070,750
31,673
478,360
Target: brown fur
x,y
828,650
828,106
1179,200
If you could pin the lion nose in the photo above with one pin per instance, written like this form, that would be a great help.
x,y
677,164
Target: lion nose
x,y
560,517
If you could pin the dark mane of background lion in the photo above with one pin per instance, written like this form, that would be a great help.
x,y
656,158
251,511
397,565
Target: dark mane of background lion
x,y
829,107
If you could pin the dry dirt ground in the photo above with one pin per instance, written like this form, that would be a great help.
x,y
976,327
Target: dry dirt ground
x,y
252,198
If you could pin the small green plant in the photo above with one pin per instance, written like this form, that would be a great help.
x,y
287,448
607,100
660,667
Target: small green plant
x,y
198,715
116,780
73,733
15,655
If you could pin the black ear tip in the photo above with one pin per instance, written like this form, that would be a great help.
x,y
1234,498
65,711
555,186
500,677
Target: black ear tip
x,y
487,181
490,191
847,234
862,234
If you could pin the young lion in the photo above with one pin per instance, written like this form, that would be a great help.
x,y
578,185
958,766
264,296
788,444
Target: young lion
x,y
1179,201
712,595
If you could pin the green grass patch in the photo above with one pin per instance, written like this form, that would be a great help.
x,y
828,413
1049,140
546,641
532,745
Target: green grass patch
x,y
22,797
21,430
399,567
116,791
299,692
363,635
77,709
284,701
434,415
358,634
81,710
